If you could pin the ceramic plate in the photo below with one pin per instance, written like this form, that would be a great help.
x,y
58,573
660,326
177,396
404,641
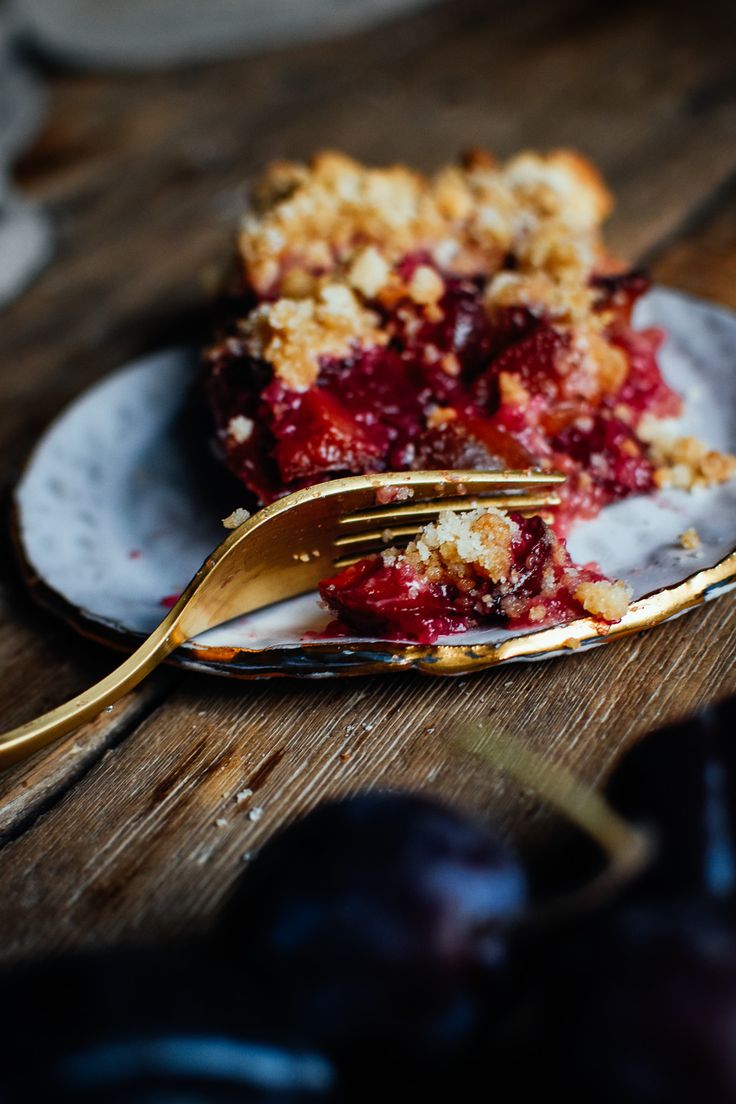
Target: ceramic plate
x,y
141,33
121,502
25,230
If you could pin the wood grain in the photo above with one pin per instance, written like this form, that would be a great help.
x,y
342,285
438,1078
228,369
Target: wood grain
x,y
135,847
703,259
143,176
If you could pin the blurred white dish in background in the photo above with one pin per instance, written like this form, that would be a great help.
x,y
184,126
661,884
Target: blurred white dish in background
x,y
130,33
25,243
25,231
22,101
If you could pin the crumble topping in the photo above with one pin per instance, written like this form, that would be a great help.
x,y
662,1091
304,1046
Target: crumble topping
x,y
439,416
511,390
690,539
236,518
456,543
292,334
339,217
603,364
426,286
240,428
470,569
605,599
459,546
562,183
684,462
369,272
567,300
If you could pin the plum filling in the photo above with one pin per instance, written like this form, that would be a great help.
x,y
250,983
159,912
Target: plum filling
x,y
479,569
454,387
383,320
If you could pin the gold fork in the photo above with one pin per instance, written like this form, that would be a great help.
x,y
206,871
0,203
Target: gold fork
x,y
285,550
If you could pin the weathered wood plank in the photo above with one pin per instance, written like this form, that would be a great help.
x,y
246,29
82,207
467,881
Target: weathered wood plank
x,y
137,846
28,788
703,259
43,664
143,175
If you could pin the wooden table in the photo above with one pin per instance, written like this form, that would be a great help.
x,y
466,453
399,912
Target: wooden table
x,y
117,832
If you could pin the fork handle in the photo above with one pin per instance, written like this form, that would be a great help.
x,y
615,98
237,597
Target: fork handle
x,y
23,741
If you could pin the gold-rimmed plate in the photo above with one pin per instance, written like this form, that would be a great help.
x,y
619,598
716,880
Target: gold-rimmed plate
x,y
120,503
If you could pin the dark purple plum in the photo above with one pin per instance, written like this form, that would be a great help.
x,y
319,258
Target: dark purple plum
x,y
379,925
634,1007
681,783
144,1027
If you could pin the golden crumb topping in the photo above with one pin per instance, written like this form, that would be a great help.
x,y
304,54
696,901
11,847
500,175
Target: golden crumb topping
x,y
462,546
471,549
566,300
323,241
337,216
562,184
293,334
240,429
439,416
690,539
369,272
236,518
605,599
426,286
598,366
511,390
684,462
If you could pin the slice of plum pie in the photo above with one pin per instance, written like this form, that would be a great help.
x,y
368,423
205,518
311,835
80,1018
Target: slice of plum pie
x,y
482,567
377,319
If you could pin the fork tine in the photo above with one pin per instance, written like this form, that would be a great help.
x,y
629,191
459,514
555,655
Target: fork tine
x,y
433,485
402,512
398,538
357,544
279,552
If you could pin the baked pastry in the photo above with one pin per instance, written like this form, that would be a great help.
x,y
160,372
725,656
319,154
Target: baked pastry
x,y
479,568
382,320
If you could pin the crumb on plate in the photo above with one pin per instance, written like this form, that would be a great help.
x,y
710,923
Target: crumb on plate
x,y
690,539
236,518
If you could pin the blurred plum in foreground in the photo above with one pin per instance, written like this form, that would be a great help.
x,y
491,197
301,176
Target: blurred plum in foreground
x,y
637,1005
379,921
680,782
143,1027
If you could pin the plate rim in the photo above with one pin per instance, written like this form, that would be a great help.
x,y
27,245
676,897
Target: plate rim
x,y
313,659
316,659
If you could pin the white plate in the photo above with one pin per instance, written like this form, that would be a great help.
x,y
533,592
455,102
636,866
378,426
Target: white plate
x,y
25,231
140,33
120,503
